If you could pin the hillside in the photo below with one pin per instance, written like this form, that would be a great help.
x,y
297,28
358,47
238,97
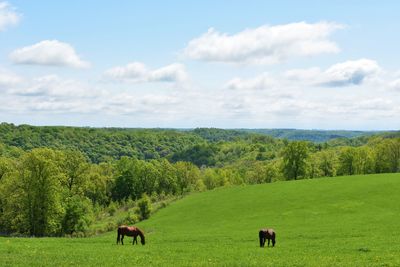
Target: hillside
x,y
311,135
103,144
342,221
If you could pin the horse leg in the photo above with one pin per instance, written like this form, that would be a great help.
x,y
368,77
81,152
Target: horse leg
x,y
118,238
268,242
273,242
134,239
122,239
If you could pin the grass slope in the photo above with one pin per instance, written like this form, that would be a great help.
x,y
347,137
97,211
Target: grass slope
x,y
343,221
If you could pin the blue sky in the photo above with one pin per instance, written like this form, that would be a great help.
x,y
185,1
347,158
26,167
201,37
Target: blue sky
x,y
228,64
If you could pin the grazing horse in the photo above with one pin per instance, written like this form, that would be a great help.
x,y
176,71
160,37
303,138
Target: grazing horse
x,y
130,231
266,234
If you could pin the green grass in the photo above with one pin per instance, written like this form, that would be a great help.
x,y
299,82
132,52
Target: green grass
x,y
342,221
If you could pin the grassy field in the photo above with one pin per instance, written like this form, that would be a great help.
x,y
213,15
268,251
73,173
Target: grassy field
x,y
342,221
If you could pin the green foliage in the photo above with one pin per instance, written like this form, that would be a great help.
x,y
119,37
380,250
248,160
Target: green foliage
x,y
294,160
54,190
99,144
144,205
36,188
78,215
129,219
311,135
75,166
200,155
387,155
112,208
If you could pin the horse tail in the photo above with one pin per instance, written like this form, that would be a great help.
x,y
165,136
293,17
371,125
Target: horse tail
x,y
261,237
118,236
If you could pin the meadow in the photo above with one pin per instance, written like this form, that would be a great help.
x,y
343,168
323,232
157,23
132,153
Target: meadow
x,y
341,221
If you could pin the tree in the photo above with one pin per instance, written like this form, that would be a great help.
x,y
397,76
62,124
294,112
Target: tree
x,y
347,157
39,181
167,180
210,178
261,172
6,166
387,154
78,215
100,183
364,160
322,164
75,166
187,175
327,163
294,160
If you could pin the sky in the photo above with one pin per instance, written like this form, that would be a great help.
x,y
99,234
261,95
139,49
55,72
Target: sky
x,y
186,64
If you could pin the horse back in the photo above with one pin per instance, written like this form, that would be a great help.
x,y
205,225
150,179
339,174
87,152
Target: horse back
x,y
268,233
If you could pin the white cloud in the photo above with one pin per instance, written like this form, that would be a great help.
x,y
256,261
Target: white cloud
x,y
49,52
139,73
172,73
295,98
55,87
261,82
135,71
9,79
265,44
309,74
350,72
268,100
347,73
395,84
8,16
54,94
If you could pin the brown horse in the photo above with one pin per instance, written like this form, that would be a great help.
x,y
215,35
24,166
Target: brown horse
x,y
266,234
130,231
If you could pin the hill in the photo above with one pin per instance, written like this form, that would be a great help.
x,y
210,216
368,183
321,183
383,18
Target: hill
x,y
103,144
342,221
311,135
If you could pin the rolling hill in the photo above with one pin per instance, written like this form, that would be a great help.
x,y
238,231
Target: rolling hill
x,y
342,221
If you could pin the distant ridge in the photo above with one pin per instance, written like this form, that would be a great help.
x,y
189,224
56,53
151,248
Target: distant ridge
x,y
311,135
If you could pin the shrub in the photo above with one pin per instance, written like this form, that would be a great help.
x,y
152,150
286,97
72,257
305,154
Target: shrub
x,y
112,208
128,219
144,205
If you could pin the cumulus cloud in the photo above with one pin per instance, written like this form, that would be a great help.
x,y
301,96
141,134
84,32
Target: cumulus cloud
x,y
347,73
350,72
8,16
50,53
139,73
265,44
273,99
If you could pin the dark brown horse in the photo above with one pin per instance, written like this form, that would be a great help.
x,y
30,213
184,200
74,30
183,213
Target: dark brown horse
x,y
267,234
130,231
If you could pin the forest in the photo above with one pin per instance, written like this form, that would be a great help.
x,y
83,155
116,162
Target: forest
x,y
57,181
